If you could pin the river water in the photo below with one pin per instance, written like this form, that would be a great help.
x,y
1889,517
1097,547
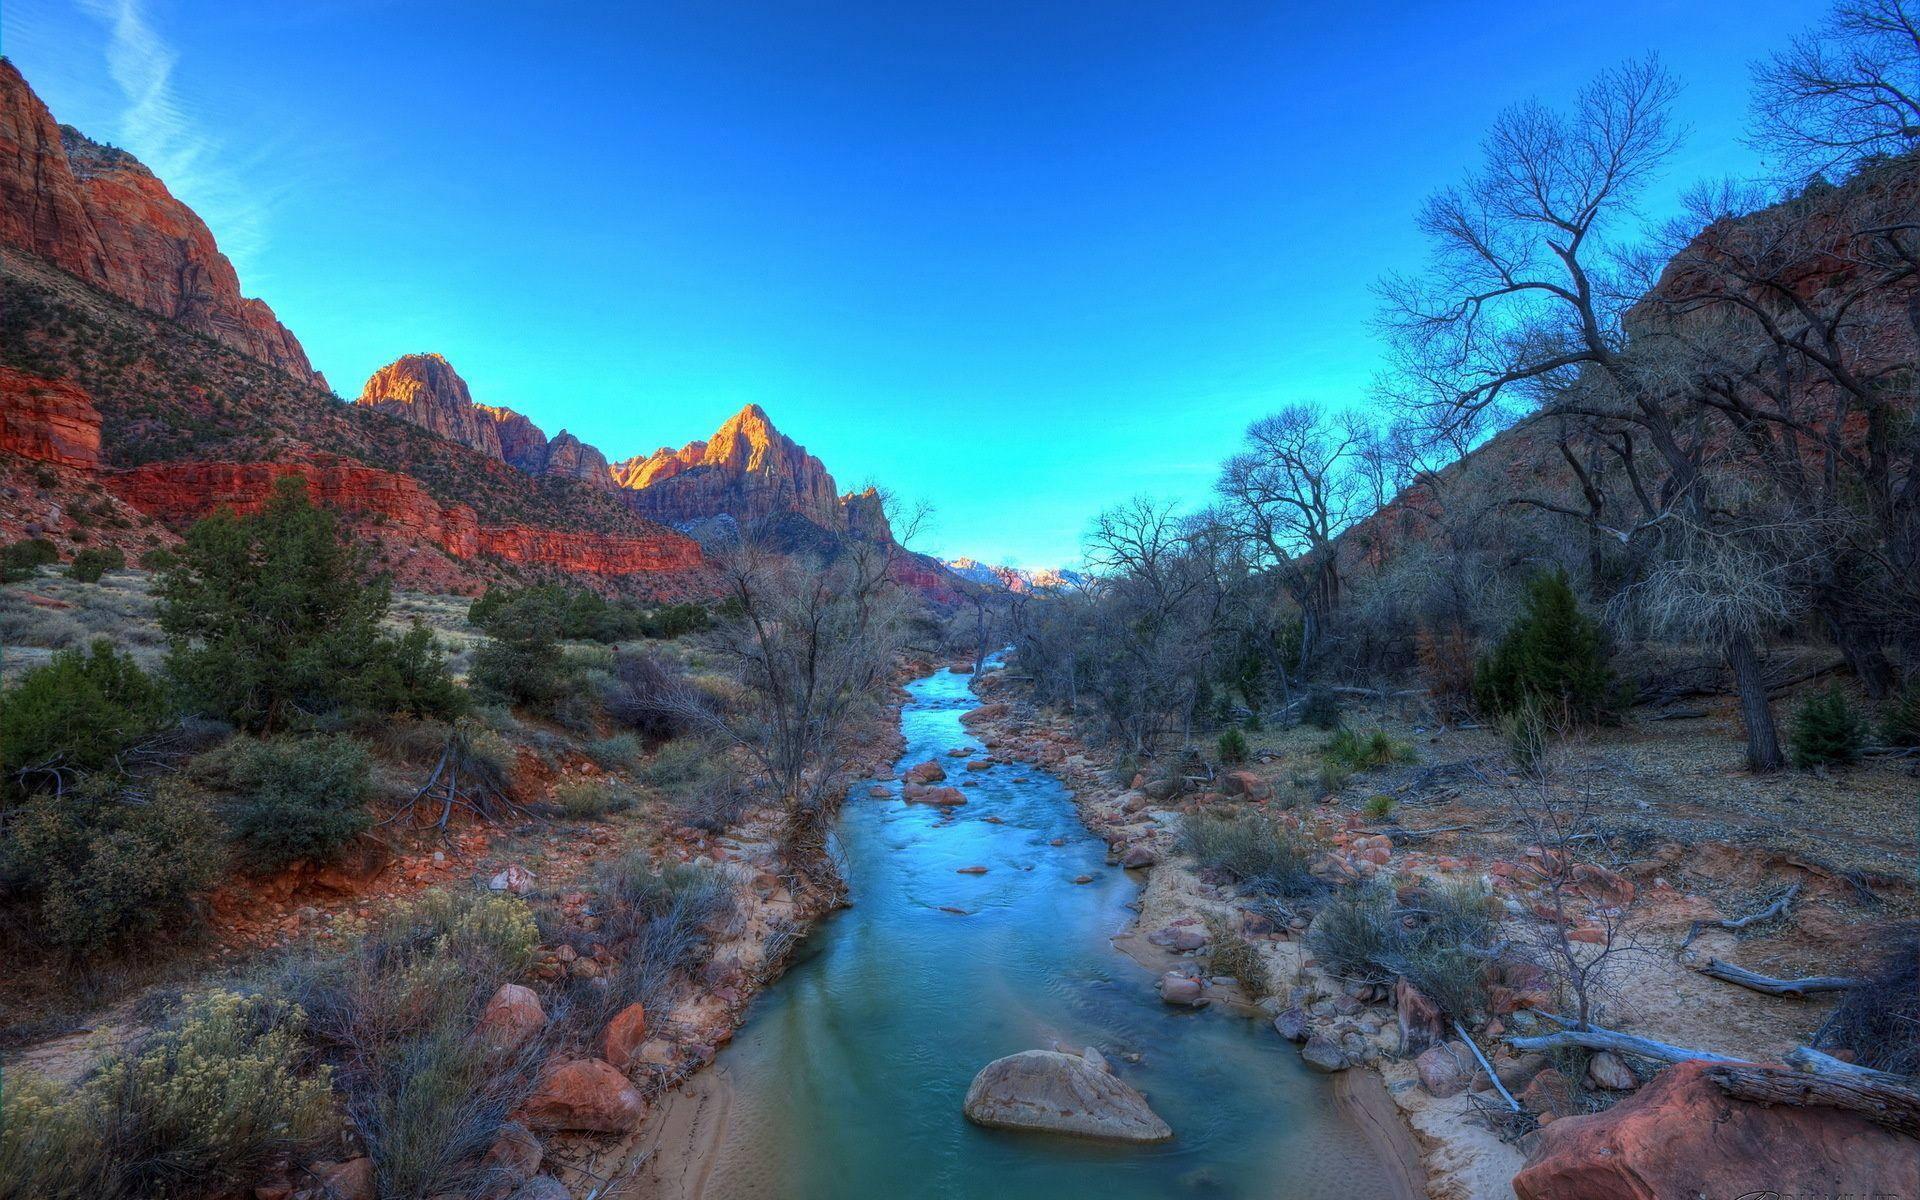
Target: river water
x,y
849,1074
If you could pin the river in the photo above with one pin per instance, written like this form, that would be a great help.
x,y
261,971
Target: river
x,y
848,1076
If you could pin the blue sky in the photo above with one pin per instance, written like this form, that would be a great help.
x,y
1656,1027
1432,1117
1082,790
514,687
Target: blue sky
x,y
1016,259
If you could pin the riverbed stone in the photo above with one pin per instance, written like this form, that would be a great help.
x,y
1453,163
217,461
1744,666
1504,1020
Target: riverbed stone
x,y
1322,1054
1176,988
1292,1024
1046,1091
1609,1071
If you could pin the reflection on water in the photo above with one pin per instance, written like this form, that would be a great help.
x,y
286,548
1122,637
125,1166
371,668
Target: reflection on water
x,y
849,1075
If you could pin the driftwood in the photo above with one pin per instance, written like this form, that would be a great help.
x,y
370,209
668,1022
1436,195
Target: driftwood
x,y
1676,714
462,781
1488,1068
1893,1105
1813,1062
1405,834
1778,907
1620,1043
1776,987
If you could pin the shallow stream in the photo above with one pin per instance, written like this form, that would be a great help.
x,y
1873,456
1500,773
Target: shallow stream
x,y
849,1075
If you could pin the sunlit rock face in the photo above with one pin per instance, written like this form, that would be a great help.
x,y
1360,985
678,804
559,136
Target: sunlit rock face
x,y
425,390
98,213
747,469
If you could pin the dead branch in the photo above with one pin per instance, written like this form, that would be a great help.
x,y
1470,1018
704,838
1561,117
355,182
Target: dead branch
x,y
1776,987
1488,1068
1396,831
1778,907
462,781
1895,1106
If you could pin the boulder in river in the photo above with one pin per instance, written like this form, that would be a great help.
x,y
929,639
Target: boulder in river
x,y
1049,1092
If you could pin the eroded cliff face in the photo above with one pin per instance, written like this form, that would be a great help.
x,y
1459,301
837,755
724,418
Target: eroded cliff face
x,y
98,213
48,420
425,390
395,507
747,469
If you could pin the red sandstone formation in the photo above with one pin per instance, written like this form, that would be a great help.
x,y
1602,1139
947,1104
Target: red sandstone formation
x,y
748,470
1681,1135
97,212
424,389
184,491
48,420
594,553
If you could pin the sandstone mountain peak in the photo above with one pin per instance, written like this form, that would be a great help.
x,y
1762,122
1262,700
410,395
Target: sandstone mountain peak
x,y
425,390
748,469
96,212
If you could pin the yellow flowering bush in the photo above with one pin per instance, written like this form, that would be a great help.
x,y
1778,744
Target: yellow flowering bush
x,y
205,1104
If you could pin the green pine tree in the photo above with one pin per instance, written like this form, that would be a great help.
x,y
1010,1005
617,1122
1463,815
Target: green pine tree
x,y
1827,731
267,615
1554,657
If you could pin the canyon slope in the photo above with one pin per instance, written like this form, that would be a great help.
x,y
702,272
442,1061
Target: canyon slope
x,y
97,213
141,391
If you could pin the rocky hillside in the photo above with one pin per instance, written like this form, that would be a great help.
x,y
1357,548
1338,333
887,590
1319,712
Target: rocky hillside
x,y
97,213
425,390
142,391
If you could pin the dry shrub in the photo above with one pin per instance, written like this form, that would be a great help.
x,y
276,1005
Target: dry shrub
x,y
206,1104
1230,954
1446,667
1879,1018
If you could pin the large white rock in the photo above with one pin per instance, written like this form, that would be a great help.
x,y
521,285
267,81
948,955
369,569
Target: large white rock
x,y
1050,1092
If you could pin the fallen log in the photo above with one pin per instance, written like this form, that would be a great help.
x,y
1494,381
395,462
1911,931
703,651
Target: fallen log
x,y
1593,1038
1775,909
1806,1058
1895,1106
1776,987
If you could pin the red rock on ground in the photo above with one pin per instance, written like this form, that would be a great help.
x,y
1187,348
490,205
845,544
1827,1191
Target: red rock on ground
x,y
585,1094
511,1017
1680,1136
624,1034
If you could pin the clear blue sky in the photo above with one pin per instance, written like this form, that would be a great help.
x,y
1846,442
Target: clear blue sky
x,y
1019,259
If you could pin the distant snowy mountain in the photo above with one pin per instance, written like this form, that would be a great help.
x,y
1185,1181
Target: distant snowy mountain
x,y
1016,579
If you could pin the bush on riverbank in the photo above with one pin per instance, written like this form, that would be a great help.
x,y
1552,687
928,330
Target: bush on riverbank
x,y
1262,854
206,1104
1364,934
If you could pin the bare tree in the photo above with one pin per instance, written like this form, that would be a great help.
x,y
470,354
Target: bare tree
x,y
812,641
1520,296
1844,92
1298,485
1150,624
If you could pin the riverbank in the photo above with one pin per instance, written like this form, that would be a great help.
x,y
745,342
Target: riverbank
x,y
1144,838
1448,819
980,927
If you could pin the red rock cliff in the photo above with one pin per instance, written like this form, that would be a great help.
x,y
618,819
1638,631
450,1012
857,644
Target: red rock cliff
x,y
98,213
400,507
48,420
425,390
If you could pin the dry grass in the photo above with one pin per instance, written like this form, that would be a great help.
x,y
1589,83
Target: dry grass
x,y
50,612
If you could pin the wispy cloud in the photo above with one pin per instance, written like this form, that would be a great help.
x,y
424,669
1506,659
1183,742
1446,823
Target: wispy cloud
x,y
161,130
